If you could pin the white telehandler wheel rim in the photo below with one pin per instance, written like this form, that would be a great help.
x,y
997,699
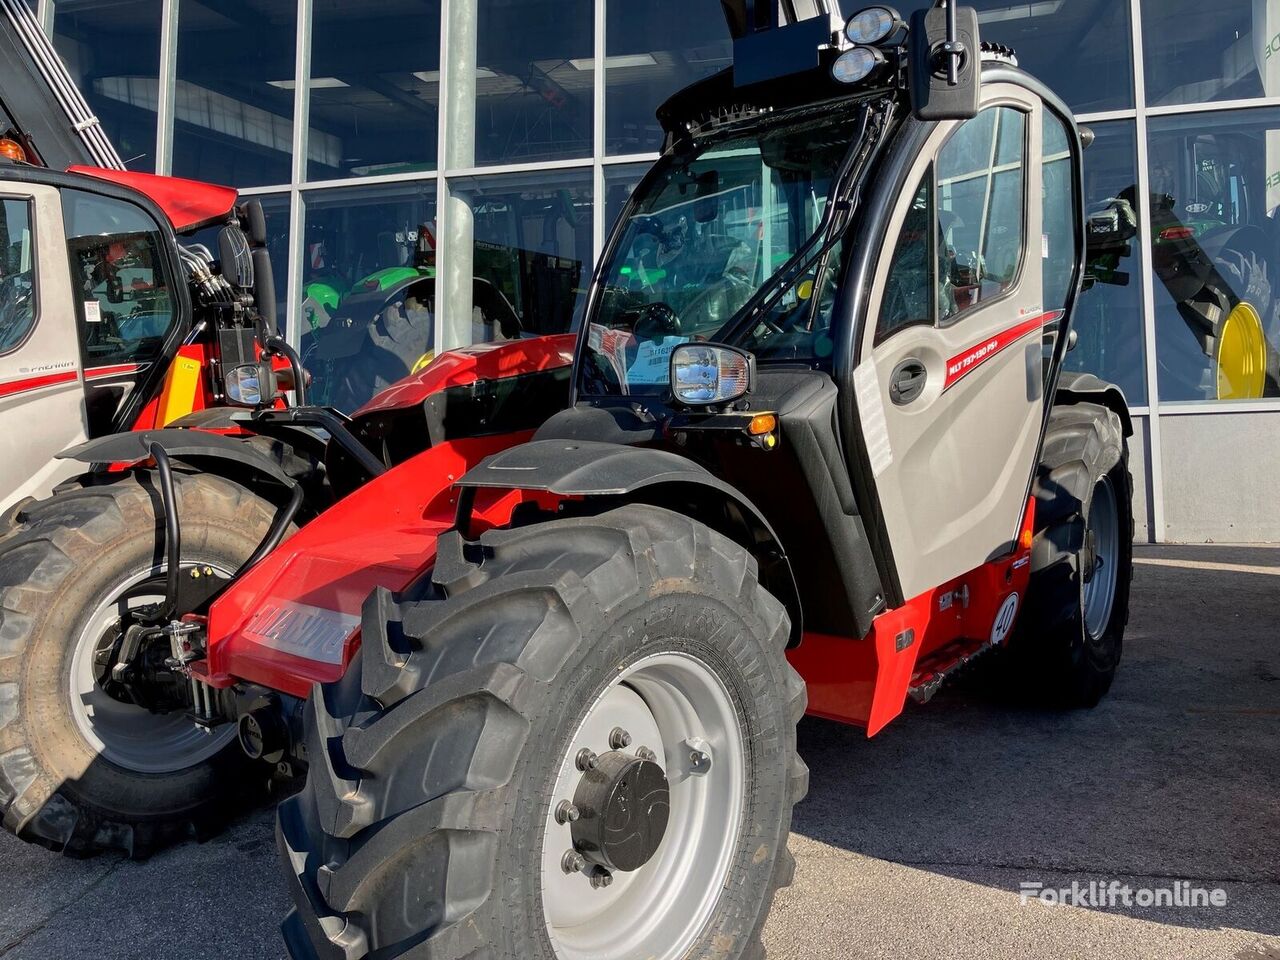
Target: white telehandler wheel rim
x,y
126,735
1100,584
676,706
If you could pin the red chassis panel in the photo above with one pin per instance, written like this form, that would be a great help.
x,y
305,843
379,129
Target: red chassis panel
x,y
866,681
293,620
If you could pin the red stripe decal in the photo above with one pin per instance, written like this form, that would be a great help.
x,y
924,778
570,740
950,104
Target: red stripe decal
x,y
98,373
963,364
11,387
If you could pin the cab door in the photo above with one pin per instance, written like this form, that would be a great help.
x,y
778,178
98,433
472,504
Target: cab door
x,y
950,378
42,409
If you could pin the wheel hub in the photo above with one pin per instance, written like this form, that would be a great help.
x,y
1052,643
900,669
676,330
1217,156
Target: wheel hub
x,y
624,804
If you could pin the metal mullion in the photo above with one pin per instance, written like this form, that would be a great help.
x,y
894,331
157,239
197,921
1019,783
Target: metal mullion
x,y
442,187
297,262
1102,116
301,92
645,158
1210,408
1155,461
44,13
265,191
598,140
581,163
417,176
1177,109
166,83
297,201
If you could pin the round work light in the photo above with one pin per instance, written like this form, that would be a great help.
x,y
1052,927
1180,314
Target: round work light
x,y
873,25
857,64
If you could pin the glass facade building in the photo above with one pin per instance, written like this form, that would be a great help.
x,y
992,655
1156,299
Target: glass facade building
x,y
451,168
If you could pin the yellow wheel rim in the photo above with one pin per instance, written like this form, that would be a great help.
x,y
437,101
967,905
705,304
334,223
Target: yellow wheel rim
x,y
423,362
1242,355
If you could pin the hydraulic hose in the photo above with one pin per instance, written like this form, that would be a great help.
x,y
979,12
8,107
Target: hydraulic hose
x,y
172,529
278,345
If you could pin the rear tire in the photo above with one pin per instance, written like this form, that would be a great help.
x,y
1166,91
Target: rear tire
x,y
428,826
81,772
1069,638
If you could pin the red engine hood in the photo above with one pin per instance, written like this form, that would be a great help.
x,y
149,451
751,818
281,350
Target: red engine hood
x,y
484,361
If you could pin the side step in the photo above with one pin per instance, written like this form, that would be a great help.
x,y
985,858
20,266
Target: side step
x,y
943,664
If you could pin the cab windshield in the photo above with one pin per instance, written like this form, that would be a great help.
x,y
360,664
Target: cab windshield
x,y
711,228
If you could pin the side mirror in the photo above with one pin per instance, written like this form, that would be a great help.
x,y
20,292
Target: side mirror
x,y
234,258
946,63
708,374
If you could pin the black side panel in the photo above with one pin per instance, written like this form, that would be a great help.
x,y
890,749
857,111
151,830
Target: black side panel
x,y
804,491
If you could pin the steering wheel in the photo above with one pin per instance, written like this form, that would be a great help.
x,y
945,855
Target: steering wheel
x,y
657,321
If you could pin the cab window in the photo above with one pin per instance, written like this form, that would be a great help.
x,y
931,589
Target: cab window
x,y
961,243
981,198
17,274
119,279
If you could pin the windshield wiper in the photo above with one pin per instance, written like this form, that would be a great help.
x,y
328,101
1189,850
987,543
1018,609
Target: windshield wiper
x,y
827,235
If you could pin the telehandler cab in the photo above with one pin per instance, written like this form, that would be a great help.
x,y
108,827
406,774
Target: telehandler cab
x,y
114,313
545,654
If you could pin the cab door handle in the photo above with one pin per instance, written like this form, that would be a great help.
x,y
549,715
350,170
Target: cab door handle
x,y
907,382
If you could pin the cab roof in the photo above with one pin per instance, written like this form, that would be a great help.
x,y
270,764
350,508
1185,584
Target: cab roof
x,y
188,204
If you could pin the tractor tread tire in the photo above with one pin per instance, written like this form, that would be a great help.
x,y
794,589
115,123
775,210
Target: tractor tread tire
x,y
446,694
51,548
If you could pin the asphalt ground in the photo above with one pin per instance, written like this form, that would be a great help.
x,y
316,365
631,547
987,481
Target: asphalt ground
x,y
911,845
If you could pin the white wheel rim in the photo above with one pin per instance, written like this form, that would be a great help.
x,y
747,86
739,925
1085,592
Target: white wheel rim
x,y
658,911
1100,588
129,736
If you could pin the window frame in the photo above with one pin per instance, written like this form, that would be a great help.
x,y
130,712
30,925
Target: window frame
x,y
38,305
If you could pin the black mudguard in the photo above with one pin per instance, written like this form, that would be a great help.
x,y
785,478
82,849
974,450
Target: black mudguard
x,y
615,472
1086,388
191,446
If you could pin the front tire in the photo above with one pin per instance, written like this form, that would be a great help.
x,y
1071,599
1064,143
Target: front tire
x,y
81,771
434,820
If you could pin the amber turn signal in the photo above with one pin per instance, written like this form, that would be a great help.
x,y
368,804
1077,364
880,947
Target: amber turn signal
x,y
12,150
762,424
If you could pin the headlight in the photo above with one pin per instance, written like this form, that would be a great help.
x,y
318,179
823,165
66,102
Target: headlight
x,y
706,374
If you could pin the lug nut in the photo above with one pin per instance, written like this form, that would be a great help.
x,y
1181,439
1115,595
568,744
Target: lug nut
x,y
644,753
586,760
601,878
566,812
619,739
573,862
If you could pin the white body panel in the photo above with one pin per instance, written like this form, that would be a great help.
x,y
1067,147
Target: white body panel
x,y
42,406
